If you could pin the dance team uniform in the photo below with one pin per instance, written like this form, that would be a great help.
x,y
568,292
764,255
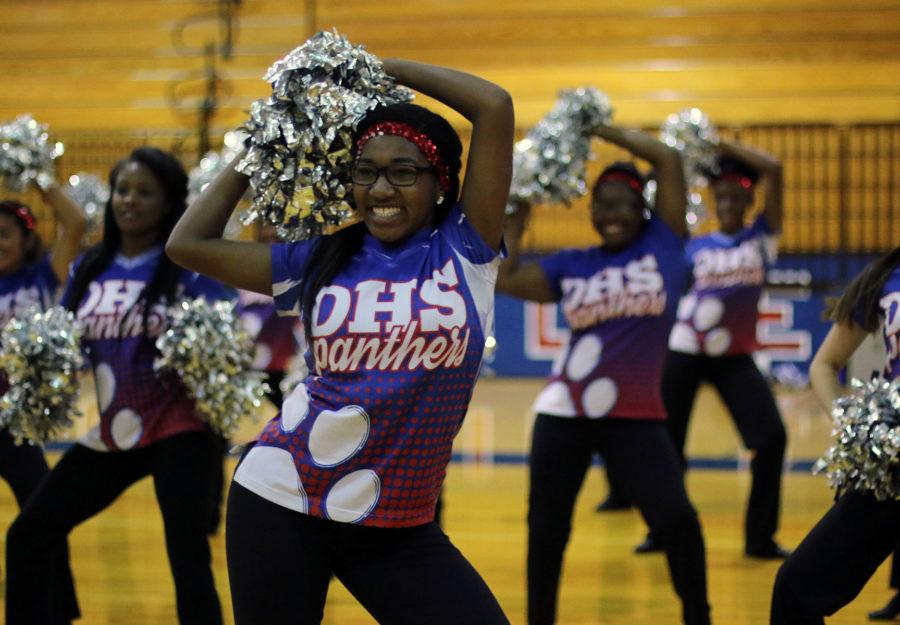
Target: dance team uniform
x,y
713,339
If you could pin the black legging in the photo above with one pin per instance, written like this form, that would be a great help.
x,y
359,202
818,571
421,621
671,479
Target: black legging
x,y
835,560
280,561
23,467
641,455
752,407
83,483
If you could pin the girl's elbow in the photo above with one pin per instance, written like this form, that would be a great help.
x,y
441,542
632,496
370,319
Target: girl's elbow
x,y
175,249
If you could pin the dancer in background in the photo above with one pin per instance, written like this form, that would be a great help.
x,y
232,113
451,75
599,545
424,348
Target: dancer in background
x,y
119,290
29,278
396,309
849,543
715,335
619,299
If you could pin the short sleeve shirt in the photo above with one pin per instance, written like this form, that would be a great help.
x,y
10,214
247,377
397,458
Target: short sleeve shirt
x,y
137,406
274,336
718,316
619,306
397,341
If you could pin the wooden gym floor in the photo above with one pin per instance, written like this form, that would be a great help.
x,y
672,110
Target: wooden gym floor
x,y
122,575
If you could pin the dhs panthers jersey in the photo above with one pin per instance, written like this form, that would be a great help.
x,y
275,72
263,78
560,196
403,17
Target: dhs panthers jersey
x,y
620,306
397,341
137,406
718,316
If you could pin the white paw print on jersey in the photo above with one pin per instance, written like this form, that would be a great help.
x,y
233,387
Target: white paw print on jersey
x,y
106,385
353,497
281,475
126,428
682,338
584,357
336,437
717,342
686,307
708,313
295,408
600,395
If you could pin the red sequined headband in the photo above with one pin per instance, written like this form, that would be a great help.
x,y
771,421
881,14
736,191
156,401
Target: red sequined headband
x,y
21,212
621,176
421,141
744,181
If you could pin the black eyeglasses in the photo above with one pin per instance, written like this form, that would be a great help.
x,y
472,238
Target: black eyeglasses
x,y
398,175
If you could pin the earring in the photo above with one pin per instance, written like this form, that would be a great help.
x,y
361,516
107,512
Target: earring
x,y
440,198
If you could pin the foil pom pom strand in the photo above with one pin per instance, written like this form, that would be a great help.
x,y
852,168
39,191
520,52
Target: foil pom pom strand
x,y
300,147
91,193
27,153
696,138
866,452
207,347
692,133
549,164
40,354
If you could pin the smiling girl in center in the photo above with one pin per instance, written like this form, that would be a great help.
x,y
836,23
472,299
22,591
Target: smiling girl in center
x,y
396,308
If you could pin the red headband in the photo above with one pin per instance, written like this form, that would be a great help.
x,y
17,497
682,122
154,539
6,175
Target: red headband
x,y
621,176
744,181
21,212
421,141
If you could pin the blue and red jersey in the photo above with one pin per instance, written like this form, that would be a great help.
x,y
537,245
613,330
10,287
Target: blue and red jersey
x,y
274,336
620,306
32,286
397,341
718,316
137,406
889,311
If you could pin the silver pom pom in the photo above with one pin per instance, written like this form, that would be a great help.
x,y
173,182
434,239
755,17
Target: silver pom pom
x,y
300,148
91,194
207,347
692,133
40,353
549,163
26,154
866,453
